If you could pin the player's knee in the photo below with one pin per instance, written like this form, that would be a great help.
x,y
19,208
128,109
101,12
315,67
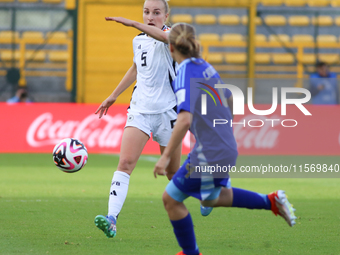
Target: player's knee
x,y
126,165
166,200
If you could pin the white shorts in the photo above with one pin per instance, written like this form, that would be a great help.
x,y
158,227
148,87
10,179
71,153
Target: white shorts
x,y
160,125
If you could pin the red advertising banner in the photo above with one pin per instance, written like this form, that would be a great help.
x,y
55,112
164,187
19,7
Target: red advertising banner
x,y
37,127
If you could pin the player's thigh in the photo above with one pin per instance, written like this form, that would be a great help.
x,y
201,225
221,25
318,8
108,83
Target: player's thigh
x,y
133,142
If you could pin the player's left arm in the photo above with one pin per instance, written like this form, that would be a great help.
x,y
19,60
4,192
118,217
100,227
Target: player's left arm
x,y
152,31
181,128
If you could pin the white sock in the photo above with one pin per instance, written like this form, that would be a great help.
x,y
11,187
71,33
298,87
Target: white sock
x,y
118,192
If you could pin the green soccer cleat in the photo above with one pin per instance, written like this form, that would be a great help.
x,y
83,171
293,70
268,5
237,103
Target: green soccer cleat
x,y
106,224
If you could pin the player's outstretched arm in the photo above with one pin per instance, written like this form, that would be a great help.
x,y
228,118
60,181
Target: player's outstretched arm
x,y
152,31
181,128
126,82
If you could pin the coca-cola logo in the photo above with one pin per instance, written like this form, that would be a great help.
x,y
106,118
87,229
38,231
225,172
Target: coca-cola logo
x,y
104,133
264,137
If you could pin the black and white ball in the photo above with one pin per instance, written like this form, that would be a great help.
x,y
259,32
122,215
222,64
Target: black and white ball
x,y
70,155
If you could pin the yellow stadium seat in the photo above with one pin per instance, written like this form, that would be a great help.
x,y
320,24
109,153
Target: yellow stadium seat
x,y
205,19
9,34
302,38
337,21
28,1
57,35
262,58
236,58
275,20
308,59
260,38
335,3
232,38
230,20
279,38
326,38
186,18
6,1
283,58
271,2
295,2
7,55
39,56
322,21
329,58
298,21
215,58
244,21
208,37
32,34
52,1
58,56
318,3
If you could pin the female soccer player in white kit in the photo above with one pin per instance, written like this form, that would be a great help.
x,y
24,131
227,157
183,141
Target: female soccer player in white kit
x,y
152,107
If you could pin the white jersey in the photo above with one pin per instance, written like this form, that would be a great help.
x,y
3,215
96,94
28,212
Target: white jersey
x,y
156,70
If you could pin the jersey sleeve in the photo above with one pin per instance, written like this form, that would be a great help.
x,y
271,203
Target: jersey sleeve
x,y
134,53
227,93
182,90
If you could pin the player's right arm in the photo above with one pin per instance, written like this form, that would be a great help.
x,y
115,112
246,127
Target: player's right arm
x,y
128,79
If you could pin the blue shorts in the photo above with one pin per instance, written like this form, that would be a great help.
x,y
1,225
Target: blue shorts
x,y
183,185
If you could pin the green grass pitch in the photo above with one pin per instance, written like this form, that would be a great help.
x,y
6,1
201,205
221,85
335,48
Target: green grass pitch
x,y
46,211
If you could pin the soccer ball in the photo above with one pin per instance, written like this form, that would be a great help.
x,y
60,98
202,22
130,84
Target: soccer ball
x,y
70,155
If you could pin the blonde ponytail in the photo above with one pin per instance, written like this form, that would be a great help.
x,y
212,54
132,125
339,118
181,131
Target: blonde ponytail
x,y
182,37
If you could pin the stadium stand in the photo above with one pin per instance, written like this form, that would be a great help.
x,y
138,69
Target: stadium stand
x,y
308,59
215,58
271,2
244,20
52,1
209,37
232,38
7,55
28,1
39,56
326,38
275,20
58,56
260,38
32,34
236,58
205,19
298,21
231,20
9,34
279,38
186,18
302,38
295,3
337,21
322,21
262,58
282,58
57,35
318,3
329,58
335,3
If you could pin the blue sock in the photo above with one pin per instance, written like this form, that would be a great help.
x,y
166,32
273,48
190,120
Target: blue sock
x,y
184,231
249,199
